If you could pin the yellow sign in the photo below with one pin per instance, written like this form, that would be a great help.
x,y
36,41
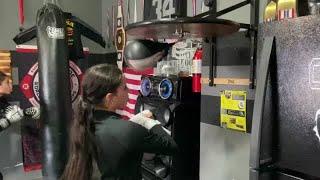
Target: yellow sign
x,y
233,110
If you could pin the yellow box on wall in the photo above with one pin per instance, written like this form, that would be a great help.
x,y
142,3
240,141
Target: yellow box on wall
x,y
233,113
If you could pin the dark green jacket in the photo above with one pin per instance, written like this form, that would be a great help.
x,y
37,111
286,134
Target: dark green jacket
x,y
120,145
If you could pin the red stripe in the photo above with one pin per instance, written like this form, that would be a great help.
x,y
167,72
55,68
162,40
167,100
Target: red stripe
x,y
145,72
32,167
134,92
23,50
148,71
129,110
132,101
134,82
35,50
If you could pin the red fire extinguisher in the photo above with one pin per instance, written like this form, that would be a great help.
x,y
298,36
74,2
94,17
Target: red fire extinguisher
x,y
196,71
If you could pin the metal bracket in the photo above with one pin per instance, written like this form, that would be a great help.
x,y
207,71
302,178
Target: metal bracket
x,y
252,32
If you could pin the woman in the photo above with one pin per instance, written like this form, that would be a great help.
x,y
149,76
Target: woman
x,y
5,89
10,114
98,132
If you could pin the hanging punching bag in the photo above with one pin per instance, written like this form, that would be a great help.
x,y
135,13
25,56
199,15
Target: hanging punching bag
x,y
55,98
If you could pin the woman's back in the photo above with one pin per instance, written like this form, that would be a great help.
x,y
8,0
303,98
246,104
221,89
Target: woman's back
x,y
117,145
115,141
120,145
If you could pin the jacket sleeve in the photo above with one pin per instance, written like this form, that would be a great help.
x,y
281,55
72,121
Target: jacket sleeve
x,y
89,32
158,141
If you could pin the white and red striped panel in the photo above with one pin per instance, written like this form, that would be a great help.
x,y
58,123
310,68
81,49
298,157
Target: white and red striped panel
x,y
133,79
286,14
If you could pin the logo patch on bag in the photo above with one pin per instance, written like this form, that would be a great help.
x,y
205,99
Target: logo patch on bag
x,y
30,83
55,33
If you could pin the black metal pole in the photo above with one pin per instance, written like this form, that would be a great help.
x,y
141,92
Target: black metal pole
x,y
213,61
213,50
254,21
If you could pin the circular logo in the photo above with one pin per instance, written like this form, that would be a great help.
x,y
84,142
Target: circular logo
x,y
30,83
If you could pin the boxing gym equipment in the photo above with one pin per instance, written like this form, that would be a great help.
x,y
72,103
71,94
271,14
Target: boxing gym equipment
x,y
205,25
173,103
54,89
14,114
75,28
140,54
187,27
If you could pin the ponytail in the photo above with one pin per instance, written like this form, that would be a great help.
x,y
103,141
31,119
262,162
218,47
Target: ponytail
x,y
79,165
97,82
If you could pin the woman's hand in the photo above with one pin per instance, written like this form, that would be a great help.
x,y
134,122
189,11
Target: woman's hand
x,y
143,119
148,114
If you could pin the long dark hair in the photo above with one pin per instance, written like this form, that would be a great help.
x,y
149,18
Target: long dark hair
x,y
96,83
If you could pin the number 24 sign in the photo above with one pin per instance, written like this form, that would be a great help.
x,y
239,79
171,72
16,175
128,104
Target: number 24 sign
x,y
157,9
164,8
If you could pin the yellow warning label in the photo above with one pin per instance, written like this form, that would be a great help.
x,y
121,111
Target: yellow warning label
x,y
233,110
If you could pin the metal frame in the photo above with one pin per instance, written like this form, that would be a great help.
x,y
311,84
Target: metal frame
x,y
254,21
252,30
255,141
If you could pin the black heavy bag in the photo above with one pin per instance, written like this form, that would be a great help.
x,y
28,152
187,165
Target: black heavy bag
x,y
55,98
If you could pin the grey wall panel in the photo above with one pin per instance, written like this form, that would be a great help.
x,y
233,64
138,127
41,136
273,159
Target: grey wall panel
x,y
224,154
236,71
106,6
240,15
227,72
88,11
231,50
